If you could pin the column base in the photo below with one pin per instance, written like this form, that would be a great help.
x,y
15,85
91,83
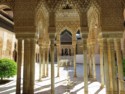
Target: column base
x,y
116,92
75,76
121,92
102,86
43,76
40,80
90,76
94,79
85,92
109,92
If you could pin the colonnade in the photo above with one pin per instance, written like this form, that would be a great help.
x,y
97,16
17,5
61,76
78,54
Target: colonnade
x,y
44,61
28,65
110,69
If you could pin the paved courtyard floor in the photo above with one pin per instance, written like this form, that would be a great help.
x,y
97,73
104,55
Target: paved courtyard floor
x,y
44,86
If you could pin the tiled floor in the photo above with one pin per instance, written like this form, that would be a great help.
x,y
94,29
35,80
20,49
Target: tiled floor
x,y
43,87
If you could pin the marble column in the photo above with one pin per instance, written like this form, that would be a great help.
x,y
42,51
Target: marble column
x,y
47,61
85,67
32,65
94,63
112,67
43,75
101,64
74,50
106,67
90,63
40,64
52,67
19,63
58,59
26,71
120,66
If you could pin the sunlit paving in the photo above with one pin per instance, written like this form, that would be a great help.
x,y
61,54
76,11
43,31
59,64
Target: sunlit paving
x,y
61,83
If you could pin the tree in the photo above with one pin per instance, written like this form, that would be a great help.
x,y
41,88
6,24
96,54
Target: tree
x,y
8,68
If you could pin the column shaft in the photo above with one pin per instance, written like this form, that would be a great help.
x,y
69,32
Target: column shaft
x,y
113,68
93,60
106,67
26,72
101,65
58,60
52,67
40,64
32,65
43,62
90,64
110,65
19,62
85,67
120,66
47,61
75,74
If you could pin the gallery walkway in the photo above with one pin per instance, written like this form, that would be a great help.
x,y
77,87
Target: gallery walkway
x,y
43,87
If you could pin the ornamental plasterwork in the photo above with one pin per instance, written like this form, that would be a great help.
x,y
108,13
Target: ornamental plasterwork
x,y
1,43
72,25
67,15
41,9
9,3
9,44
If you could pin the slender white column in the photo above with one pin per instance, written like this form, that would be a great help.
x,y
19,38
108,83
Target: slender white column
x,y
75,73
40,64
85,67
90,63
52,67
19,62
93,60
106,67
120,66
32,65
113,67
58,58
101,64
43,62
47,61
26,71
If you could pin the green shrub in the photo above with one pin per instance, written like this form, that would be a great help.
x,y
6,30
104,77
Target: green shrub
x,y
8,68
124,66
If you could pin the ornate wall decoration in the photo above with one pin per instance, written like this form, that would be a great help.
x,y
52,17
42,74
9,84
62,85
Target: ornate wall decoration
x,y
1,45
73,26
9,47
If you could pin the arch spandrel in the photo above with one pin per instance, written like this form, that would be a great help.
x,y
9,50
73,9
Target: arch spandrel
x,y
9,3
